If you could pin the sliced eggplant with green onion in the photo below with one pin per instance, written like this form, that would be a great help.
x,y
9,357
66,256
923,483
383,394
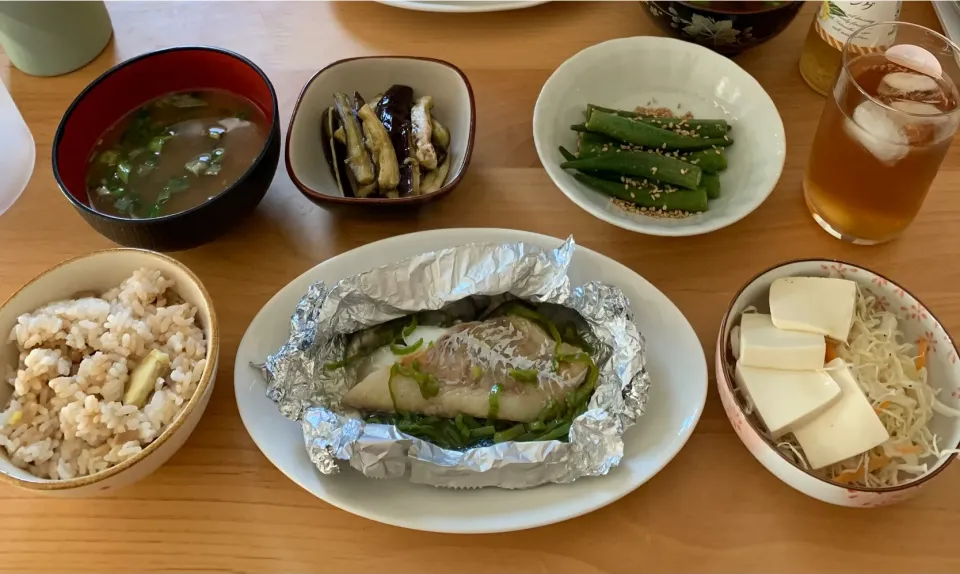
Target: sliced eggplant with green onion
x,y
441,136
357,158
433,180
423,133
334,151
393,109
378,142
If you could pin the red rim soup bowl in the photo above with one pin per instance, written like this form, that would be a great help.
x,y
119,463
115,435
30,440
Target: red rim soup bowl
x,y
128,86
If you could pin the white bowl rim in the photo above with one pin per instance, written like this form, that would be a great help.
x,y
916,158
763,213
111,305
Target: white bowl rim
x,y
213,344
678,231
724,346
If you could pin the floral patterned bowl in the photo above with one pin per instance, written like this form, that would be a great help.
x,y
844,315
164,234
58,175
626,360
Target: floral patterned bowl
x,y
725,27
914,320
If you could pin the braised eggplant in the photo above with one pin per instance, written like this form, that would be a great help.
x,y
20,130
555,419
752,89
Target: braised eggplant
x,y
441,137
423,133
357,158
334,148
378,142
393,109
391,146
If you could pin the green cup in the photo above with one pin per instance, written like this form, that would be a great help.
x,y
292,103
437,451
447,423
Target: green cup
x,y
52,38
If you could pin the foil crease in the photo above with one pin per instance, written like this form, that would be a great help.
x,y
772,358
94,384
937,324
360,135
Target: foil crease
x,y
304,391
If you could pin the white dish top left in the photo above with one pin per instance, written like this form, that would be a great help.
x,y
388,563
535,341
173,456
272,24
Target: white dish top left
x,y
17,151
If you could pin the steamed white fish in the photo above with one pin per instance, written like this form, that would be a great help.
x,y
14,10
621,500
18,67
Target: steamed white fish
x,y
505,368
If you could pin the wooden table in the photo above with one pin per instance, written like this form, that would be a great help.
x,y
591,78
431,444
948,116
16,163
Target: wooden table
x,y
219,505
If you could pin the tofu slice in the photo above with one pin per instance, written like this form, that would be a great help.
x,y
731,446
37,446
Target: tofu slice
x,y
814,304
763,345
846,428
784,399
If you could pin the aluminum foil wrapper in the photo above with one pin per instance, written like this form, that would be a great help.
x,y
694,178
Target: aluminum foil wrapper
x,y
304,391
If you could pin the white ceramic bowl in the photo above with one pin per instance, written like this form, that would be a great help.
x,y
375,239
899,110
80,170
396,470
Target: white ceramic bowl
x,y
630,72
915,321
98,272
453,107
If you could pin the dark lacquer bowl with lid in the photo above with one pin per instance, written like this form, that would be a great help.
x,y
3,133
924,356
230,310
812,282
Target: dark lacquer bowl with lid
x,y
725,27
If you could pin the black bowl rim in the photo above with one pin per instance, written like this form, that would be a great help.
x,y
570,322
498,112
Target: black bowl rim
x,y
787,3
271,135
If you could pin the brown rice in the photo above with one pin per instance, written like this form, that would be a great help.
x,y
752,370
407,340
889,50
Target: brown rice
x,y
65,417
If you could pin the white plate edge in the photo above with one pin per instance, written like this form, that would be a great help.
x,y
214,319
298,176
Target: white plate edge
x,y
536,239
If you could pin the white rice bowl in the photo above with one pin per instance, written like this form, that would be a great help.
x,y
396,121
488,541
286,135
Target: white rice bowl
x,y
65,417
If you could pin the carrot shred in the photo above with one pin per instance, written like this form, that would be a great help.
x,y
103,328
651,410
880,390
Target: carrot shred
x,y
922,347
881,407
911,449
875,462
831,353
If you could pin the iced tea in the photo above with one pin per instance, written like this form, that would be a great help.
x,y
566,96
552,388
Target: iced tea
x,y
881,139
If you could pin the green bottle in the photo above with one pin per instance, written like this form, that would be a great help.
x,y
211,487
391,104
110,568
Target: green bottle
x,y
52,38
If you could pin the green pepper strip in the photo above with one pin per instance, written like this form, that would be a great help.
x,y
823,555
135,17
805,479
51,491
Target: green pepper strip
x,y
393,371
509,434
536,426
429,385
549,411
575,398
409,329
559,432
527,376
494,400
401,350
462,427
344,363
488,430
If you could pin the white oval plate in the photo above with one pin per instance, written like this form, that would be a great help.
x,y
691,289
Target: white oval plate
x,y
675,360
463,6
663,72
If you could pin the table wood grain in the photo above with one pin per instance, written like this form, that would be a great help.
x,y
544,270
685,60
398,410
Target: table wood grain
x,y
219,505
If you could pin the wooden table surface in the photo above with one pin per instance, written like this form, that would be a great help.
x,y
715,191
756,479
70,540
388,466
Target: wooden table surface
x,y
220,505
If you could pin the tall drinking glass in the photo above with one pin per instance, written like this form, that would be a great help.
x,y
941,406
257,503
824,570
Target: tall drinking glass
x,y
884,131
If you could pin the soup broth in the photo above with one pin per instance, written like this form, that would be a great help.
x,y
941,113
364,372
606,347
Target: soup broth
x,y
174,153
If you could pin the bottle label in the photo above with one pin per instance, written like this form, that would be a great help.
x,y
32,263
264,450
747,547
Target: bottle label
x,y
837,21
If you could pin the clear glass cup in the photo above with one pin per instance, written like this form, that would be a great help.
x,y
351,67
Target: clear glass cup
x,y
883,134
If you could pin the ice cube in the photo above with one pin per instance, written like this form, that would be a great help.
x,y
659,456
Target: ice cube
x,y
898,84
915,58
927,124
876,129
918,108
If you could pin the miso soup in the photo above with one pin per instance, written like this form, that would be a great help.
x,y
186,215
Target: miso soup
x,y
174,153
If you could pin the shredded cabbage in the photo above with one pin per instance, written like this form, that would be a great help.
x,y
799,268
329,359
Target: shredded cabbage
x,y
886,370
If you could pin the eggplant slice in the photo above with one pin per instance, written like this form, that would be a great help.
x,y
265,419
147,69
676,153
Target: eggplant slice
x,y
391,146
334,150
357,158
378,141
423,132
393,109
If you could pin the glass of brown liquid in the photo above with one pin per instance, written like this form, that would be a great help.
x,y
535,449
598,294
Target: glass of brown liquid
x,y
884,131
